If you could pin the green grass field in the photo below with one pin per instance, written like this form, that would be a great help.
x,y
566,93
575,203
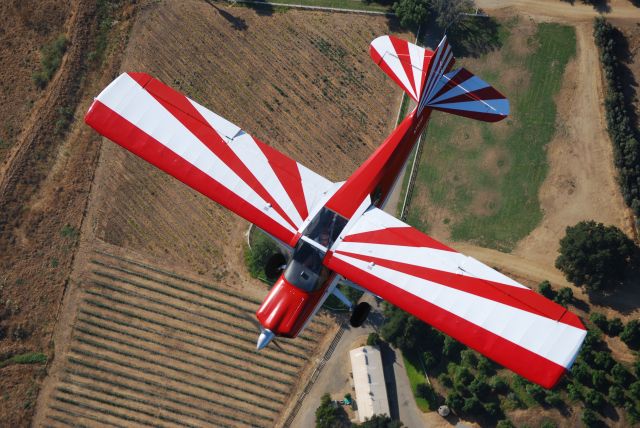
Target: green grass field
x,y
480,181
416,376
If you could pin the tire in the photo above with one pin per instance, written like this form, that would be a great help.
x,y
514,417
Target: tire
x,y
360,314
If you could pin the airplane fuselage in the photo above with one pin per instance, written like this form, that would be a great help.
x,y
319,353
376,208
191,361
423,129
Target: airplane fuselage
x,y
305,284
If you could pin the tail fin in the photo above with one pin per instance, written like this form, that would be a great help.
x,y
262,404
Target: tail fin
x,y
424,75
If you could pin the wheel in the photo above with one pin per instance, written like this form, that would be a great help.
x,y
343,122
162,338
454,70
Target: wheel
x,y
273,268
360,313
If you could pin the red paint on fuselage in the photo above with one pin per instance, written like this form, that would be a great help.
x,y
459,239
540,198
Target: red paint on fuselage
x,y
287,308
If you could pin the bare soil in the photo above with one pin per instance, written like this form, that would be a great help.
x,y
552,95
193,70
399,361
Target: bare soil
x,y
581,183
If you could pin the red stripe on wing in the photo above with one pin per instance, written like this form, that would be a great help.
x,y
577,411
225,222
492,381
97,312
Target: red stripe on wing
x,y
521,298
406,236
179,106
121,131
288,172
522,361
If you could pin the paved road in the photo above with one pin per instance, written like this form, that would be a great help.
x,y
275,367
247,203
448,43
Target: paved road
x,y
336,380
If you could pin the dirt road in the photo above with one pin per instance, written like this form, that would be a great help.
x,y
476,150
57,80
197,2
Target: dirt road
x,y
563,11
581,183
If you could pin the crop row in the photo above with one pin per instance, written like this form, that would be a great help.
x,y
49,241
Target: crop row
x,y
202,297
191,281
183,338
201,303
113,381
119,341
207,390
75,415
128,398
164,344
206,326
181,278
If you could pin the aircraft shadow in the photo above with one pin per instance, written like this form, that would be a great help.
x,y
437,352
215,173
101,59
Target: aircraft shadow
x,y
236,22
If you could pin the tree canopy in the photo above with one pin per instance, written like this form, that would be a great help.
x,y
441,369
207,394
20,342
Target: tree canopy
x,y
412,13
596,256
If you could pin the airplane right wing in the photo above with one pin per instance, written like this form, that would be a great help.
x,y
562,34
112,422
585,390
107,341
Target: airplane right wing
x,y
482,308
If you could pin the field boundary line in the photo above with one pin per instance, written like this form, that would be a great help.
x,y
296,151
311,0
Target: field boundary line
x,y
321,8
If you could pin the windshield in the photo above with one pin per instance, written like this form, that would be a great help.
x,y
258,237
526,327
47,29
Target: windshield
x,y
305,270
325,227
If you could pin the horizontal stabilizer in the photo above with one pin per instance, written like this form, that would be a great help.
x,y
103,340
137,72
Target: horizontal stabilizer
x,y
462,93
404,62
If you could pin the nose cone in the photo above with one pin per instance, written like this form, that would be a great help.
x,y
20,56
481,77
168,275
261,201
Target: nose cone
x,y
265,337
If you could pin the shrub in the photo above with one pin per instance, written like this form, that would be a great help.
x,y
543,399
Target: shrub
x,y
620,375
462,377
480,388
445,380
600,321
574,391
536,392
499,385
484,366
505,423
616,395
426,391
615,327
472,406
553,399
50,59
589,418
429,360
468,358
634,390
545,289
564,296
631,334
593,399
455,400
373,339
596,256
599,380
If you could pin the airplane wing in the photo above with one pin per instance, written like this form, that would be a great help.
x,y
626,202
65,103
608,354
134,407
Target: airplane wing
x,y
207,152
460,296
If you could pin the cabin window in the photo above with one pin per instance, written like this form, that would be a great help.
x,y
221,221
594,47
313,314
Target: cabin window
x,y
305,270
325,228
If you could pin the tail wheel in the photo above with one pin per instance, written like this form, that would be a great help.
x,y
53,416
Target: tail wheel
x,y
360,313
273,268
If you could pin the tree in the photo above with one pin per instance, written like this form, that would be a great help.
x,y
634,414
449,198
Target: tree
x,y
616,395
564,296
379,421
373,339
631,334
620,375
593,399
545,289
412,13
327,413
480,388
599,320
448,12
472,406
553,399
589,418
505,423
455,400
536,392
615,327
596,256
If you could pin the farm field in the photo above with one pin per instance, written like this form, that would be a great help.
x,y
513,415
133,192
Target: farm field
x,y
342,4
490,197
301,81
151,347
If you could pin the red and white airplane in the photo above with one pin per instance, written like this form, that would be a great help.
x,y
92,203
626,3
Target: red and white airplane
x,y
338,230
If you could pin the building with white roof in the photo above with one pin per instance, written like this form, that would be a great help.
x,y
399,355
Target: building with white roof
x,y
368,380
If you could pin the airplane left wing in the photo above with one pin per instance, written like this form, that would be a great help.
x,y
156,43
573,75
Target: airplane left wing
x,y
208,153
460,296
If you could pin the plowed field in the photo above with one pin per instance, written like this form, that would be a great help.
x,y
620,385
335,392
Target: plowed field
x,y
150,347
